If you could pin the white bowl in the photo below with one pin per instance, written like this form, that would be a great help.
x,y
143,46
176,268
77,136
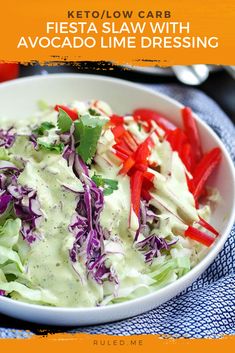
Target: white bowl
x,y
18,99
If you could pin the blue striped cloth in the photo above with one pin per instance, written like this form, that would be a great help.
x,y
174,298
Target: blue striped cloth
x,y
207,307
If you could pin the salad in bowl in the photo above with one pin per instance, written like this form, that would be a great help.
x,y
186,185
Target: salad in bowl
x,y
98,208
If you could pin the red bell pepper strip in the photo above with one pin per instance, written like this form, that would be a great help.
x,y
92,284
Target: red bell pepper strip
x,y
137,160
207,226
141,161
204,169
118,131
71,113
171,139
136,182
127,165
141,166
124,138
149,176
177,139
116,119
181,139
141,156
143,152
148,115
147,185
186,156
130,140
121,155
199,236
145,194
122,147
191,131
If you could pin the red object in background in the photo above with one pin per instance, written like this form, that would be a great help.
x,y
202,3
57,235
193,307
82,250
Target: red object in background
x,y
8,72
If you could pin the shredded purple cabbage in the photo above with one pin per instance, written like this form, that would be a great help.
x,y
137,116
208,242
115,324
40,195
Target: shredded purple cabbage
x,y
146,217
8,166
152,245
7,138
88,233
3,180
5,200
23,200
33,139
85,224
2,292
79,167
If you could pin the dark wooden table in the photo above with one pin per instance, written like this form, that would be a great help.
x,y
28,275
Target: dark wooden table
x,y
220,85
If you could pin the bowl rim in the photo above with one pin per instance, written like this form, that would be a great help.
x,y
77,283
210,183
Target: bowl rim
x,y
182,281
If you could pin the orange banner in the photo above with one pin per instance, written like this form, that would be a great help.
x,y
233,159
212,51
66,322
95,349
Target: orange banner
x,y
135,32
84,343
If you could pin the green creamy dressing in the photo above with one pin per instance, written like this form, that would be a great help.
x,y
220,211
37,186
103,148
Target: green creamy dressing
x,y
171,195
127,262
47,263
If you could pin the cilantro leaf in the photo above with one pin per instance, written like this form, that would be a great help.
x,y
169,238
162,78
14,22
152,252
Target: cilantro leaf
x,y
76,132
98,180
92,121
108,191
113,184
40,131
109,185
57,148
45,126
88,130
64,121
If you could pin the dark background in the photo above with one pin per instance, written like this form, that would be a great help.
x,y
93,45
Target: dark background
x,y
220,85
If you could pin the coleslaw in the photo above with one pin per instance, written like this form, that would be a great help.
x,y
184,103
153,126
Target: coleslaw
x,y
97,208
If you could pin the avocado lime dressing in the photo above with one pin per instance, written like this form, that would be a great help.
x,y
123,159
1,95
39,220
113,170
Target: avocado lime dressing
x,y
115,214
172,196
48,264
